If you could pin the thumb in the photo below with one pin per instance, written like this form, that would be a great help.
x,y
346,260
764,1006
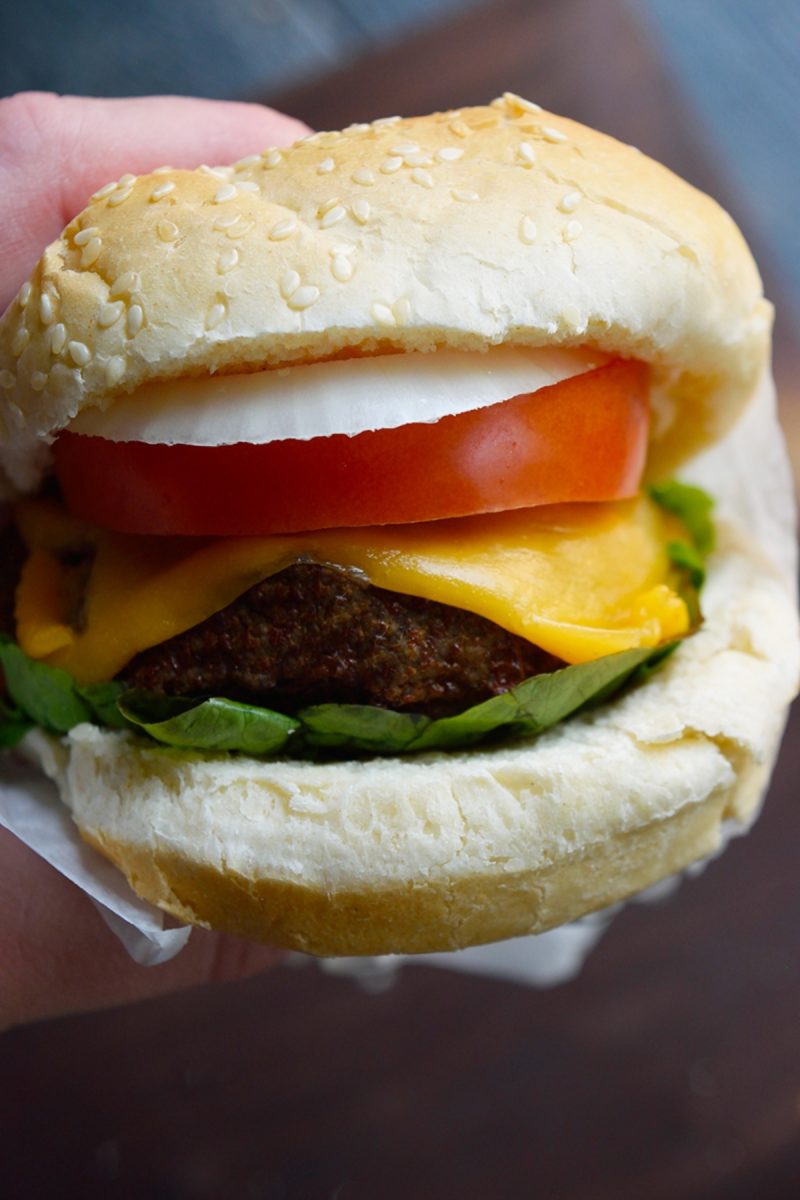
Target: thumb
x,y
56,150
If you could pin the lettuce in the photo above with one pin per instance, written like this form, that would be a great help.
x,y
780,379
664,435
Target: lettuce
x,y
213,724
693,506
530,708
49,697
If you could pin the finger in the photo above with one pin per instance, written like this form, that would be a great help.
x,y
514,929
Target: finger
x,y
56,150
57,956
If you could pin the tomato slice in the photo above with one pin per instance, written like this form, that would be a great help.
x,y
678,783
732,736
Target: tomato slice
x,y
582,439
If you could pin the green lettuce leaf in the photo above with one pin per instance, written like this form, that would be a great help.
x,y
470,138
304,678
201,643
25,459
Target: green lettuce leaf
x,y
688,558
213,724
13,725
49,697
693,506
530,708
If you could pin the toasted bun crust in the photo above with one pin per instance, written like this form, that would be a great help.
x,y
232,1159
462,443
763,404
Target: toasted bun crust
x,y
496,224
442,851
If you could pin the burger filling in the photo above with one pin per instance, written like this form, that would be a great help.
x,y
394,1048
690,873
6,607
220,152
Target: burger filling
x,y
484,574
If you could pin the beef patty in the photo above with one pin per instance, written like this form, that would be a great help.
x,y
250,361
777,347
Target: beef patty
x,y
313,634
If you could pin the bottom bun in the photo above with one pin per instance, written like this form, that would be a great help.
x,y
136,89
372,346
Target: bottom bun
x,y
442,851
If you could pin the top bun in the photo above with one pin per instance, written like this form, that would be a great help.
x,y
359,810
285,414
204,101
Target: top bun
x,y
499,224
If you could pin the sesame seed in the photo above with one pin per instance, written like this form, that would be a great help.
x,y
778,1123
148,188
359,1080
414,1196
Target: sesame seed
x,y
215,314
25,293
383,122
449,153
79,353
226,220
104,191
91,252
402,310
515,101
247,185
227,260
46,308
327,206
124,284
38,381
485,121
108,314
465,195
527,230
163,189
225,193
283,229
553,135
160,170
422,177
239,231
303,297
383,314
364,176
390,165
167,231
115,369
360,209
7,380
326,166
135,319
572,230
333,216
571,314
418,160
526,154
404,148
58,338
290,282
360,127
119,197
126,180
570,202
273,158
215,172
85,235
459,128
249,160
21,339
341,268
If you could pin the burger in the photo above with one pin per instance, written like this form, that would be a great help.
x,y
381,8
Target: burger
x,y
351,593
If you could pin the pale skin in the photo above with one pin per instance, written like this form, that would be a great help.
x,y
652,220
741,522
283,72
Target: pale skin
x,y
56,955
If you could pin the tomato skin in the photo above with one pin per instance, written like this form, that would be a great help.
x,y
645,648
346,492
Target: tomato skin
x,y
582,439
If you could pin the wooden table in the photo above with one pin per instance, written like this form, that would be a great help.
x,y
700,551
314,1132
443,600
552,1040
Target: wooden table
x,y
669,1070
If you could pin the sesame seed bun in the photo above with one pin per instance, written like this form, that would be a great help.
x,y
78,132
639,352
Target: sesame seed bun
x,y
501,224
495,225
448,850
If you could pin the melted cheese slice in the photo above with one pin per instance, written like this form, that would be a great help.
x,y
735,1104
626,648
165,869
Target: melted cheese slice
x,y
580,580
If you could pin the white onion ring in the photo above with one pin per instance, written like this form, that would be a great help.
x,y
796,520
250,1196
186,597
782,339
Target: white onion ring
x,y
347,396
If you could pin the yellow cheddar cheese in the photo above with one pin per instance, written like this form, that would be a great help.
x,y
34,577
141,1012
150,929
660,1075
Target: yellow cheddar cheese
x,y
579,580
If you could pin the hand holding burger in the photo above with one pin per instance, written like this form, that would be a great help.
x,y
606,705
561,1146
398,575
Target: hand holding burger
x,y
355,507
57,955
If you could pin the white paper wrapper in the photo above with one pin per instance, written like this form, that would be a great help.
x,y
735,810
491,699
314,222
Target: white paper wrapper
x,y
750,477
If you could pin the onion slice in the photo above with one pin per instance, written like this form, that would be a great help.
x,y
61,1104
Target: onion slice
x,y
346,396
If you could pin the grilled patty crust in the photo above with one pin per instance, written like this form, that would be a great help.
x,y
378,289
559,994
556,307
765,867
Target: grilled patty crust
x,y
315,634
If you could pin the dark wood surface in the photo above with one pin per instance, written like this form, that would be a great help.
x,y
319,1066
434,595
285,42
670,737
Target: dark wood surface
x,y
669,1070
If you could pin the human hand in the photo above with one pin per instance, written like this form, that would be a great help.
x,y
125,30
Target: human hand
x,y
56,955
